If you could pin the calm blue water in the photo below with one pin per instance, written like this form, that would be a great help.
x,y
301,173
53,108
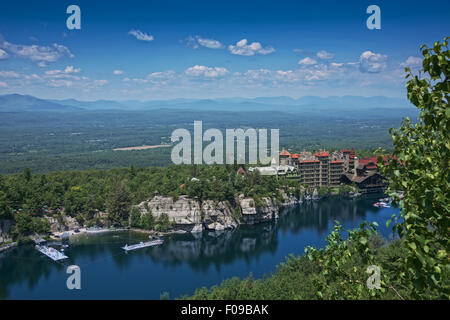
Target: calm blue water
x,y
184,262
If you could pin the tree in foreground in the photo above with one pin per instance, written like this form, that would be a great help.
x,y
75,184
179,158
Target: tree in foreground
x,y
420,169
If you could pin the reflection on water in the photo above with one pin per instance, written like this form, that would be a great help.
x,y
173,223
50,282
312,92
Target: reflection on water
x,y
184,262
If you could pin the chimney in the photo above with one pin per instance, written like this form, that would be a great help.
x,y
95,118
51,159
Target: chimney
x,y
356,164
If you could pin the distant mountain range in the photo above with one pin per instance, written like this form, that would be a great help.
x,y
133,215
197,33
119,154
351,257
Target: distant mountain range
x,y
21,103
26,103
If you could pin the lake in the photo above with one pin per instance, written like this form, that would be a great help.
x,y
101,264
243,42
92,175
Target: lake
x,y
185,261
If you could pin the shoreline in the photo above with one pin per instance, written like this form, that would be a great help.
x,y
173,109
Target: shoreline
x,y
7,246
61,235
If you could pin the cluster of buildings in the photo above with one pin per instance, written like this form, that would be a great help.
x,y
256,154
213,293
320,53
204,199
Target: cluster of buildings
x,y
326,169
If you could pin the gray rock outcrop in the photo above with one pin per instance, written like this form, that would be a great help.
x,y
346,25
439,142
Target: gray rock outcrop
x,y
252,213
218,216
183,211
5,226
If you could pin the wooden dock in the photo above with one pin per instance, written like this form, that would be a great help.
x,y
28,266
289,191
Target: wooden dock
x,y
143,245
52,253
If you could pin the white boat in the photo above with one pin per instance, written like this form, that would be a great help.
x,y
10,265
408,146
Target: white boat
x,y
142,245
381,204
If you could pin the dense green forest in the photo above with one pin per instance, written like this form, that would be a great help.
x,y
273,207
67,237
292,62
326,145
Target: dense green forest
x,y
27,197
52,141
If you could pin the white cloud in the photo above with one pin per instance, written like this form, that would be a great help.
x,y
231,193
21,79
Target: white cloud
x,y
71,69
68,70
136,80
197,41
160,74
371,62
336,65
258,75
142,36
40,54
3,54
307,61
60,83
100,83
210,43
9,74
33,76
208,72
117,72
412,62
325,55
161,77
3,84
243,49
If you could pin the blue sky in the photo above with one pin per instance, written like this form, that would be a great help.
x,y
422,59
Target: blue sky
x,y
148,50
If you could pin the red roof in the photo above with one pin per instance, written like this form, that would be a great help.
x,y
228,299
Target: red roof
x,y
372,162
368,160
242,171
322,154
336,161
308,161
295,156
346,151
285,153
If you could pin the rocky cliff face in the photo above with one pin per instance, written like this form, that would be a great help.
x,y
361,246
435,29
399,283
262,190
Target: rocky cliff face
x,y
66,223
253,213
195,216
183,211
190,214
218,216
290,200
5,226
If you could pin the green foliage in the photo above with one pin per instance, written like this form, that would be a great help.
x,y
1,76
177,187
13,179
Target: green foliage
x,y
25,225
118,203
147,221
343,264
135,218
420,169
84,194
163,223
303,278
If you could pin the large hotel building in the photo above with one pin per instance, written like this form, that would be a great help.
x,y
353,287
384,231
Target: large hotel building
x,y
327,169
321,168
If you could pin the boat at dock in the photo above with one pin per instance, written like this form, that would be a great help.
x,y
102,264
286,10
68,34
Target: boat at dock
x,y
142,245
52,253
381,204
